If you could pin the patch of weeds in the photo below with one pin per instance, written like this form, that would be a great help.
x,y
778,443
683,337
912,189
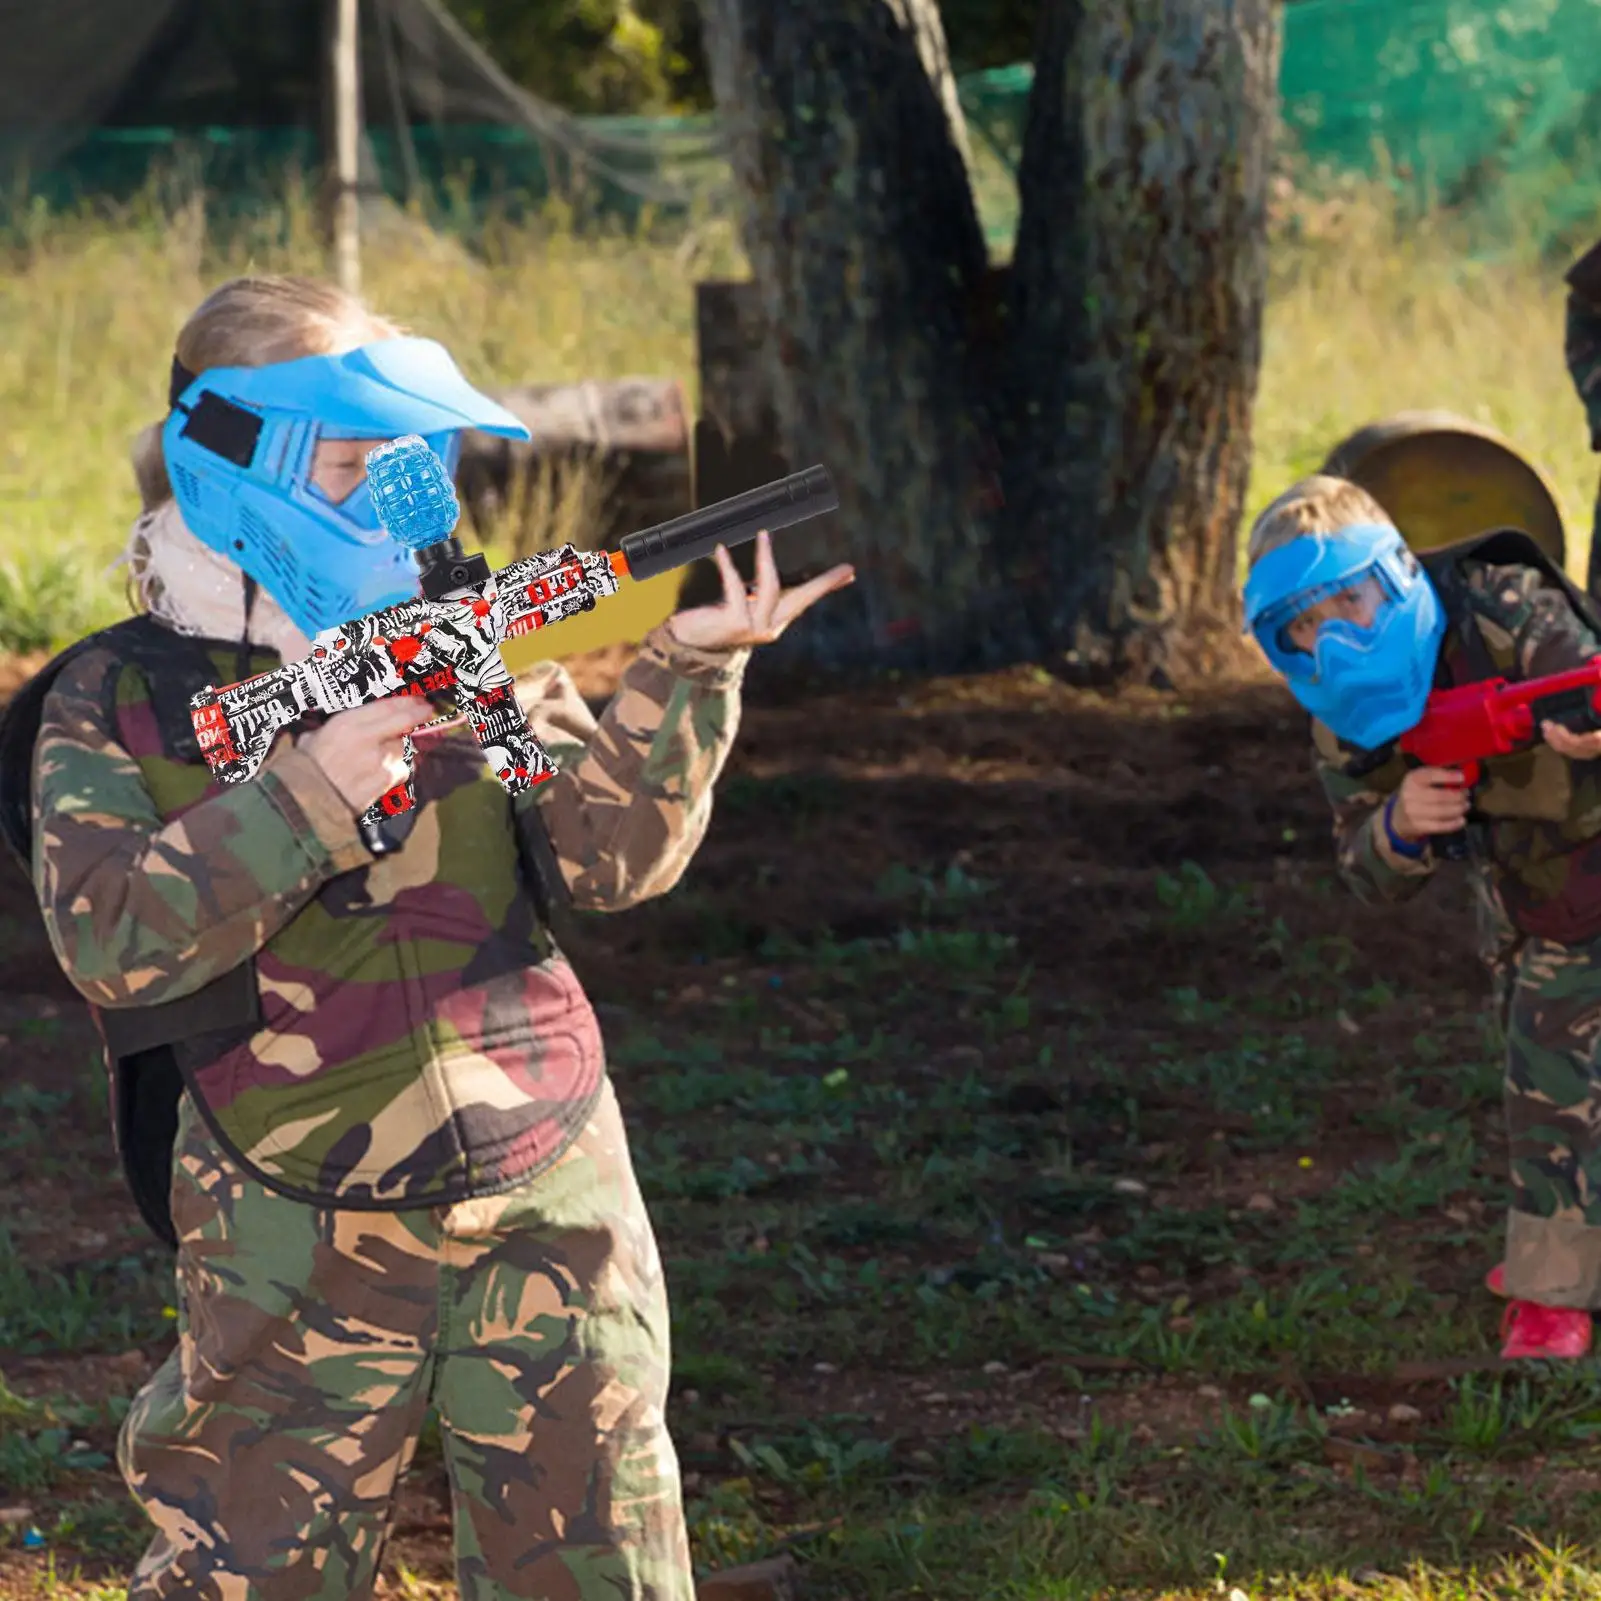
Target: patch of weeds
x,y
929,893
985,1458
30,1463
48,598
727,1528
801,796
1187,1006
1267,1432
105,1306
1421,1179
1192,902
1506,1415
714,1373
110,1528
1276,1080
816,1460
857,1223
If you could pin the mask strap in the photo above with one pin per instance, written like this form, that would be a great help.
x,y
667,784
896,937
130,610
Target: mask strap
x,y
179,380
242,661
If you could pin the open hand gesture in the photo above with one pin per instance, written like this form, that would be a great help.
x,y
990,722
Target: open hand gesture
x,y
756,616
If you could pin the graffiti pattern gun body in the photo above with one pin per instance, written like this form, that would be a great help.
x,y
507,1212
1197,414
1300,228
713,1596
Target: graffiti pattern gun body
x,y
447,642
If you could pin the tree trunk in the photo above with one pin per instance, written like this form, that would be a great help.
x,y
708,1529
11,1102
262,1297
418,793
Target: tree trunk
x,y
866,248
1153,121
1107,387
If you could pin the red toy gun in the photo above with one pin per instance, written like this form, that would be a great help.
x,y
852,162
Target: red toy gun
x,y
1463,728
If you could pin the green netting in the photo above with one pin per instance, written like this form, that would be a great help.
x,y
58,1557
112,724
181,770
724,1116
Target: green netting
x,y
1492,109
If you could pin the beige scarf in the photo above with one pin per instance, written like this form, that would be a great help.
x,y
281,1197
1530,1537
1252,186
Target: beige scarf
x,y
193,590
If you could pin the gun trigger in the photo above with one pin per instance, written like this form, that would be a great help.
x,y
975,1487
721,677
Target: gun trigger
x,y
1471,773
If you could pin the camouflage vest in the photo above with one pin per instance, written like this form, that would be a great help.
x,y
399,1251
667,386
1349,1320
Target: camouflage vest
x,y
412,1037
1539,828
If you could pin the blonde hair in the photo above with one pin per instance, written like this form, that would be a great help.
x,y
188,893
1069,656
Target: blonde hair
x,y
1316,505
253,322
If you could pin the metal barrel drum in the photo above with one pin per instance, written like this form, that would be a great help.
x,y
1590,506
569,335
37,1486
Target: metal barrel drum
x,y
1443,478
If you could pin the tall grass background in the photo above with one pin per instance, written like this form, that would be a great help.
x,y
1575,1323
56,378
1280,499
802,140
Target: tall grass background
x,y
1368,314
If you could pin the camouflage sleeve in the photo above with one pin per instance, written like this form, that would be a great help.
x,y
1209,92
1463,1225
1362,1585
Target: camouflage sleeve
x,y
1367,861
140,911
1534,625
634,796
1583,337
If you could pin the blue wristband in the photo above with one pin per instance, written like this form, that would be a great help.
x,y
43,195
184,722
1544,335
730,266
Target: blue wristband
x,y
1401,847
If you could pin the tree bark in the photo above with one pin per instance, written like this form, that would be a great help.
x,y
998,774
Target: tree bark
x,y
1179,101
865,245
1107,389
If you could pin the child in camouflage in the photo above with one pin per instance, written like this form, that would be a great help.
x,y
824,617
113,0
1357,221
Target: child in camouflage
x,y
1361,631
371,1090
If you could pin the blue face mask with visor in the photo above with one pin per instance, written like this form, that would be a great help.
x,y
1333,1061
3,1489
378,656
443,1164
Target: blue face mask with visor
x,y
240,447
1367,684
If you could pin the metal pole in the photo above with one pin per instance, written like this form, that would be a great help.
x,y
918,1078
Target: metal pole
x,y
346,77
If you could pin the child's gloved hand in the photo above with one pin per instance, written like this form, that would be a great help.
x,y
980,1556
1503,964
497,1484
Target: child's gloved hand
x,y
1431,800
360,750
1576,747
759,616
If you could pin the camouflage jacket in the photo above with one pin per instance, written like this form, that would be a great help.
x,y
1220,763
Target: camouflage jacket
x,y
420,1038
1538,854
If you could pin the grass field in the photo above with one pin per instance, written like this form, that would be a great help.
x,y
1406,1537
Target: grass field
x,y
1069,1192
1145,1261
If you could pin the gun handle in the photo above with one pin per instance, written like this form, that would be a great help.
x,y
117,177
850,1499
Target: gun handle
x,y
515,754
392,803
512,749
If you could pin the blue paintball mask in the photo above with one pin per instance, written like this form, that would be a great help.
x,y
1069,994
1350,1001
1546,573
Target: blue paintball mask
x,y
240,444
1367,684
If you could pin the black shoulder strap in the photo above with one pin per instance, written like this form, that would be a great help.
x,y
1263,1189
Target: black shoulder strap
x,y
1511,547
1501,547
177,665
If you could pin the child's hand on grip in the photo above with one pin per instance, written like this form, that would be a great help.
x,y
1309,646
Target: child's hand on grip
x,y
360,750
1565,742
1431,800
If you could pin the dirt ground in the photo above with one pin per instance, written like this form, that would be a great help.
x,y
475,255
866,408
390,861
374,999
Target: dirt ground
x,y
1080,808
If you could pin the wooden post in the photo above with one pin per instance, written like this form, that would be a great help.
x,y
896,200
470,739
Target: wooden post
x,y
343,116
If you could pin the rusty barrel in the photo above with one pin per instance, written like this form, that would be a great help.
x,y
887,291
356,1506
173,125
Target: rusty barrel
x,y
1443,478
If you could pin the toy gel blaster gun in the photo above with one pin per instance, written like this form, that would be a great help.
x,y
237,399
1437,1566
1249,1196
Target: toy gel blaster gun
x,y
1463,728
447,642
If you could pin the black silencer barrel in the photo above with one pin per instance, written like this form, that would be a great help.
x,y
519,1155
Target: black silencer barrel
x,y
730,522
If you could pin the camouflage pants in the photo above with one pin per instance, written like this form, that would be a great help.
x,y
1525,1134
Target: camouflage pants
x,y
269,1449
1553,1114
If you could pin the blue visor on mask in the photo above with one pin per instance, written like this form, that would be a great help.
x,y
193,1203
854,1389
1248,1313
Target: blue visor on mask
x,y
241,443
1367,681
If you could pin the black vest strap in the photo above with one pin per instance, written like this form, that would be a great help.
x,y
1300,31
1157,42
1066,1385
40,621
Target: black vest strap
x,y
154,1048
140,1040
1503,547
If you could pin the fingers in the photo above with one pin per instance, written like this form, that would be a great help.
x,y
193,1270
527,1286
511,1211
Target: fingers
x,y
734,597
388,718
768,588
1566,742
759,616
797,600
1432,800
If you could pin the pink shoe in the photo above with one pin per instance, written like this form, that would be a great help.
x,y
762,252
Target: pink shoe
x,y
1550,1333
1495,1280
